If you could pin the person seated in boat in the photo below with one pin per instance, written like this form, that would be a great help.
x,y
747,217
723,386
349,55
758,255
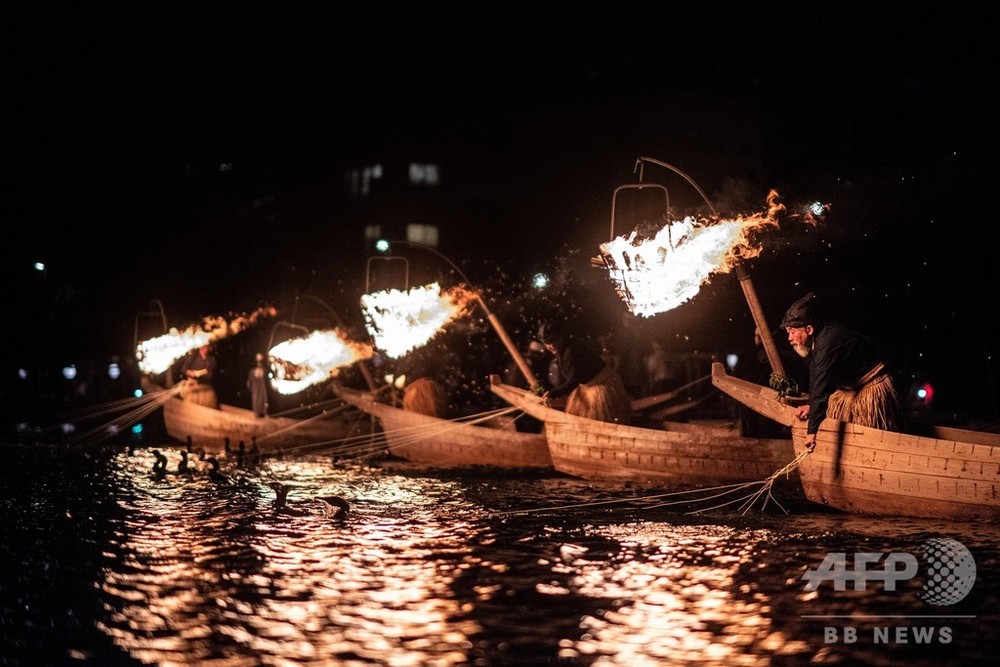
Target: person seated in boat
x,y
848,379
589,386
662,373
423,392
198,371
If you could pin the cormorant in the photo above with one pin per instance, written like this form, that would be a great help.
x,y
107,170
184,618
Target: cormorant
x,y
160,465
334,507
217,475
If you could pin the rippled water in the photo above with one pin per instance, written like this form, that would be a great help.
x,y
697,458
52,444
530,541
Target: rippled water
x,y
104,562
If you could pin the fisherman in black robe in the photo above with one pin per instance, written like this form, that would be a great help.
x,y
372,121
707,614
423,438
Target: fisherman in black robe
x,y
848,380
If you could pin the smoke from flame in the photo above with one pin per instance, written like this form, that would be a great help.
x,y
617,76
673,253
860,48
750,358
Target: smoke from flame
x,y
654,275
156,355
400,321
299,363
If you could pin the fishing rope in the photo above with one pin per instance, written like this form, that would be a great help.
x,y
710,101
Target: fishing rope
x,y
303,422
368,444
145,405
406,436
688,496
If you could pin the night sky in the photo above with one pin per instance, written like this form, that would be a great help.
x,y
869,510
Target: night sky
x,y
116,121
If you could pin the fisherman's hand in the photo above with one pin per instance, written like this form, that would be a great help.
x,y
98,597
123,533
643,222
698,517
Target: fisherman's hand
x,y
802,412
810,441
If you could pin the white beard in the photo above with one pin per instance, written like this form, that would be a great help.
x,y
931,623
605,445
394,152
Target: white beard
x,y
802,350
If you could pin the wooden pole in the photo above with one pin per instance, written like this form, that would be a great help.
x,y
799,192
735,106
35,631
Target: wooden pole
x,y
777,367
522,365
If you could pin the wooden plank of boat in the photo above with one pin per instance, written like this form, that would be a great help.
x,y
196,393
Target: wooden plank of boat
x,y
447,443
948,473
210,427
686,456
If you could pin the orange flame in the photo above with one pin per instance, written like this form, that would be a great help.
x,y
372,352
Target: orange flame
x,y
654,275
401,321
157,354
299,363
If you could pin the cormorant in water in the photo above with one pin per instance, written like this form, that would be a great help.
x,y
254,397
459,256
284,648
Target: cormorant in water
x,y
253,455
334,507
281,491
160,465
184,466
215,474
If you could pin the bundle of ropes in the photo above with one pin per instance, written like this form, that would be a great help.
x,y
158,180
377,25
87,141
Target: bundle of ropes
x,y
376,442
127,411
746,495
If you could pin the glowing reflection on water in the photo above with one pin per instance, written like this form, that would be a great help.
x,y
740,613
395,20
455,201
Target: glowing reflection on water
x,y
674,596
428,568
289,583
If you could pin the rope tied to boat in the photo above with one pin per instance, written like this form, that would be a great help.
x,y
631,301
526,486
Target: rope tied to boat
x,y
758,489
136,408
369,444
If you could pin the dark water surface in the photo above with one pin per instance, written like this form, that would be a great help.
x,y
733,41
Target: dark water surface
x,y
103,562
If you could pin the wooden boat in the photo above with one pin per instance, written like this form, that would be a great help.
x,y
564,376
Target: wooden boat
x,y
947,473
450,443
210,427
677,455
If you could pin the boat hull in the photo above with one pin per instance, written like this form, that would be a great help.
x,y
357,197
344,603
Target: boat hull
x,y
687,456
948,473
209,427
440,442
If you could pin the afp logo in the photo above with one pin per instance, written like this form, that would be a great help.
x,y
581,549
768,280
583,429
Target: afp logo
x,y
950,571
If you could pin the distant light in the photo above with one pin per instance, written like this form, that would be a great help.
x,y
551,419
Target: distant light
x,y
114,371
732,360
226,166
39,266
817,208
137,429
137,393
382,245
540,281
925,393
22,373
69,372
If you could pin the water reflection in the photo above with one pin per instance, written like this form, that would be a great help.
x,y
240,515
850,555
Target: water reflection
x,y
201,573
428,567
672,595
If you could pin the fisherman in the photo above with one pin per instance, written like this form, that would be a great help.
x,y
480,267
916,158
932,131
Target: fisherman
x,y
662,374
848,380
589,386
424,393
257,384
198,370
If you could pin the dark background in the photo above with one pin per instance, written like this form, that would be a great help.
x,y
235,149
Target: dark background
x,y
117,118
